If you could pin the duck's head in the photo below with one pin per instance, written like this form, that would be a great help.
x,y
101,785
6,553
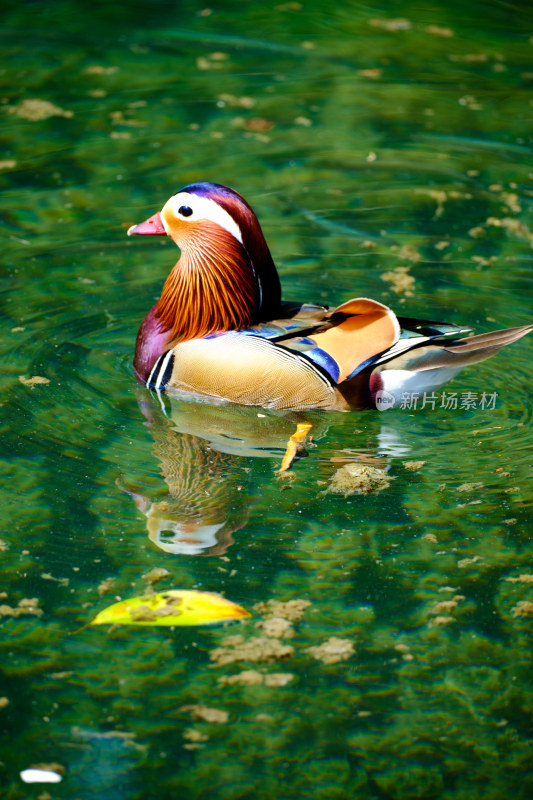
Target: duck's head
x,y
225,278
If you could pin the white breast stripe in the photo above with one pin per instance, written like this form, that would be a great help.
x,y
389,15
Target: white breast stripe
x,y
151,375
162,369
157,374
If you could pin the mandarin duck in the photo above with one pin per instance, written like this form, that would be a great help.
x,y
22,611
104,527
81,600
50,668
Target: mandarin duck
x,y
220,329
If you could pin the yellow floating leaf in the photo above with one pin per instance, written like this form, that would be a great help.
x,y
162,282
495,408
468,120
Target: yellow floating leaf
x,y
173,607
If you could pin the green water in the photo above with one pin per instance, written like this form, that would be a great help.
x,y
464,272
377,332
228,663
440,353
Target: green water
x,y
378,144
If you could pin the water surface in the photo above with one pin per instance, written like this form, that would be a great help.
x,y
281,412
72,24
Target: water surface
x,y
388,153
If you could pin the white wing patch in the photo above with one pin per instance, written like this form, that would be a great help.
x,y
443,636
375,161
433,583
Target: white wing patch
x,y
202,208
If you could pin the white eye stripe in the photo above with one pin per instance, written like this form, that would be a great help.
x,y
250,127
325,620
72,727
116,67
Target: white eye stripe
x,y
202,208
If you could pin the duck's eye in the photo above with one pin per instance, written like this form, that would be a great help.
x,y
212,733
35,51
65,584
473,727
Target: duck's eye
x,y
185,211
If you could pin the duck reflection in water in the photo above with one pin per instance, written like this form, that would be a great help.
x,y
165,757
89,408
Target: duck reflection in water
x,y
204,452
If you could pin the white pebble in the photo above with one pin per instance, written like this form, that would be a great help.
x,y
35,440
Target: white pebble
x,y
40,776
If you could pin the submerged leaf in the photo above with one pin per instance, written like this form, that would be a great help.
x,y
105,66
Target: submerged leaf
x,y
173,607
